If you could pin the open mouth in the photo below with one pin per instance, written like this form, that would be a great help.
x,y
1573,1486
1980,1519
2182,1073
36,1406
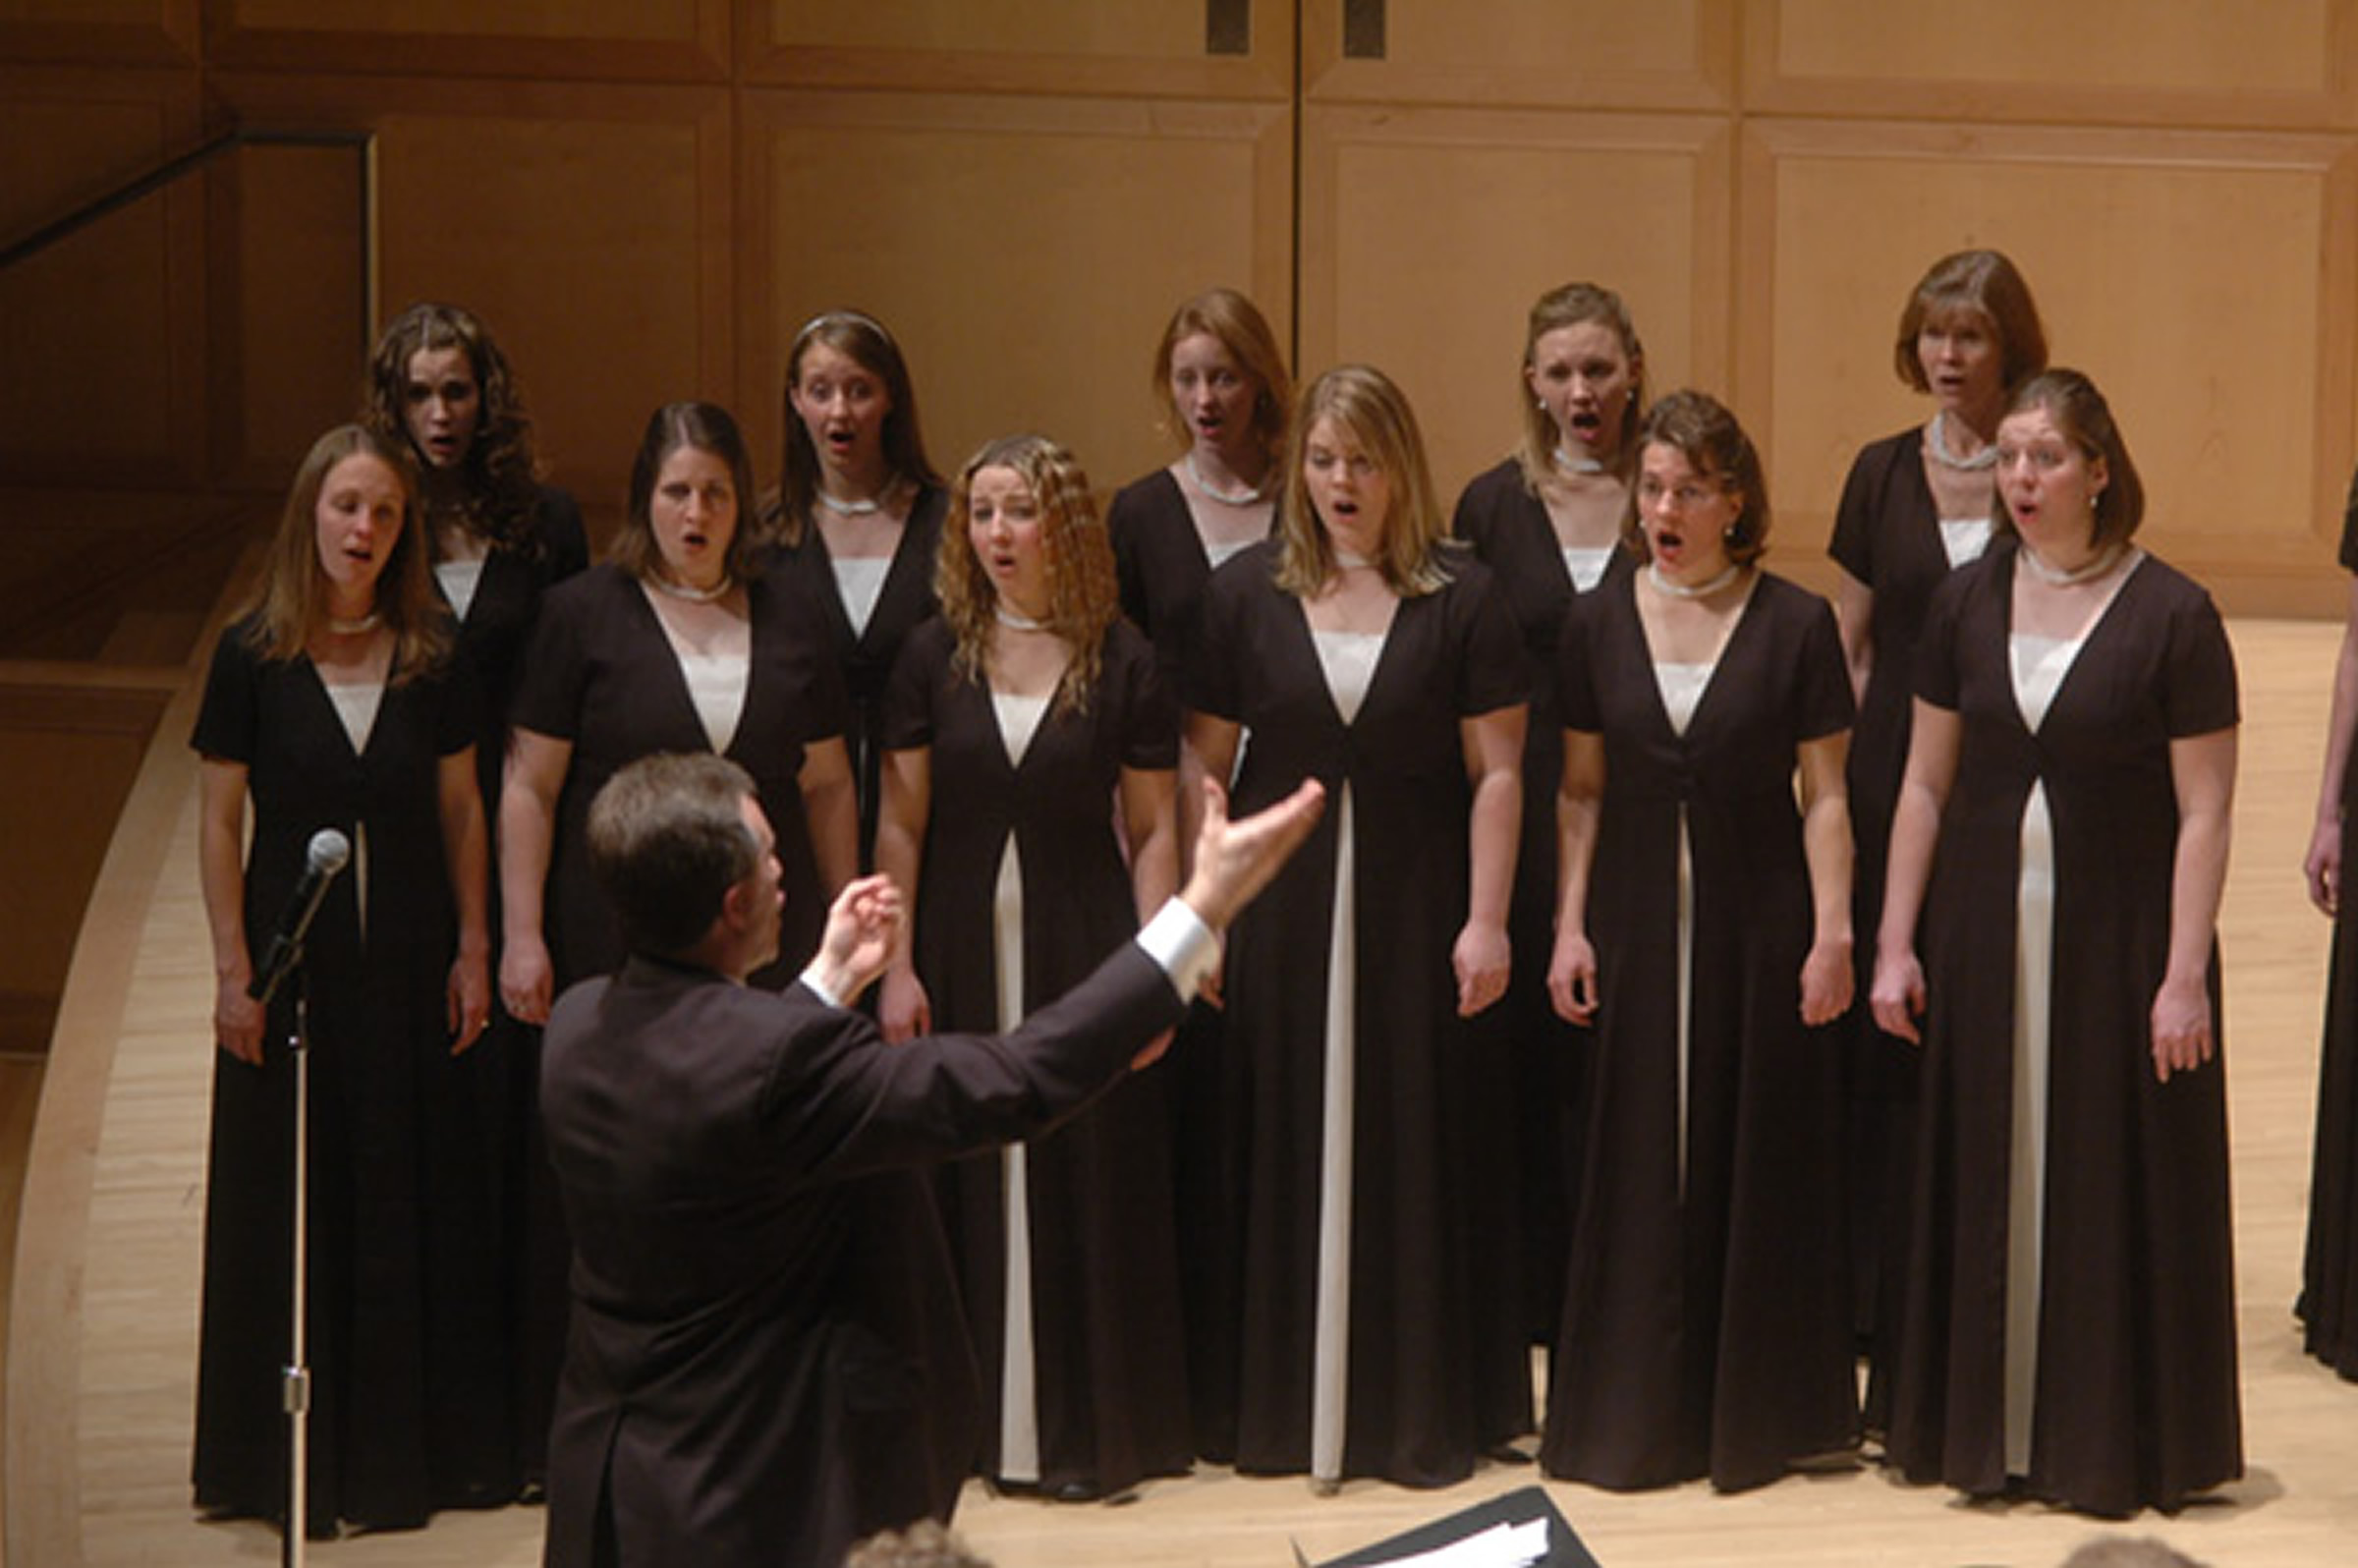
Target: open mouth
x,y
841,438
1669,543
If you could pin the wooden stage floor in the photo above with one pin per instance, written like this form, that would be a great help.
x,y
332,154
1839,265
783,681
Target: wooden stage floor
x,y
122,1384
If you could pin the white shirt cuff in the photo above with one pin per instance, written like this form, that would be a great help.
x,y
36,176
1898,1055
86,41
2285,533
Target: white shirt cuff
x,y
1184,948
819,987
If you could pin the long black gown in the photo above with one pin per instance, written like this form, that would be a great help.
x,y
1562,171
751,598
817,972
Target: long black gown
x,y
1888,538
2329,1300
1419,1366
1512,535
401,1420
1706,1330
2137,1401
602,675
866,660
492,636
1110,1381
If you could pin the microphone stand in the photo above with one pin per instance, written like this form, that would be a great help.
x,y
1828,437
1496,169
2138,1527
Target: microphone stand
x,y
295,1378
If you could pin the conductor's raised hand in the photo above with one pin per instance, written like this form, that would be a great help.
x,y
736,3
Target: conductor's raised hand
x,y
1235,860
863,930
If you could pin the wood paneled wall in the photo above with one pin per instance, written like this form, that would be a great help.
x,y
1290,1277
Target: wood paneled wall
x,y
646,197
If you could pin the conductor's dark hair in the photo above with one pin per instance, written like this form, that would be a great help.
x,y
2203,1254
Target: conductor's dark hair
x,y
667,841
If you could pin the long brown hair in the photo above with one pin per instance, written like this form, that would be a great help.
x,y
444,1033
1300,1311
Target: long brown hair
x,y
1364,401
861,339
500,475
290,602
1082,602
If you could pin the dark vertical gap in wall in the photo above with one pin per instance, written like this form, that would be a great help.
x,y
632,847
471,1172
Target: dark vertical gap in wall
x,y
1293,260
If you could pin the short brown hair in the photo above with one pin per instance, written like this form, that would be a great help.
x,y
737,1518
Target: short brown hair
x,y
1574,305
667,841
1702,429
1988,284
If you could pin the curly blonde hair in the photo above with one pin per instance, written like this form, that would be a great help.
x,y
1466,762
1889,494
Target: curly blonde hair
x,y
1362,401
1082,603
289,603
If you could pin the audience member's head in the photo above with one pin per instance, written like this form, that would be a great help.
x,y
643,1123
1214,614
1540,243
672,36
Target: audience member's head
x,y
2125,1551
924,1545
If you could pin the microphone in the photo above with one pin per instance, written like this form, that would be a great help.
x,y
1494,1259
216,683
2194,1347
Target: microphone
x,y
329,853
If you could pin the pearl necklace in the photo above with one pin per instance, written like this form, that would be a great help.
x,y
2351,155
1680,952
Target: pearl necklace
x,y
1017,620
2088,571
1936,441
366,623
1567,460
1351,560
1249,495
1682,590
694,595
874,503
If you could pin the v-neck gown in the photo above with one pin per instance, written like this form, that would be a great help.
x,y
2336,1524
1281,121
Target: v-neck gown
x,y
2135,1400
2329,1302
866,657
403,1418
1105,1403
603,675
1510,531
1417,1365
1705,1330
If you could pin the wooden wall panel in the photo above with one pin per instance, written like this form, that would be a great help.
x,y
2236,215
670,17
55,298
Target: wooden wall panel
x,y
1556,54
1027,251
111,316
1161,48
629,40
112,32
2218,62
588,225
2189,274
1426,234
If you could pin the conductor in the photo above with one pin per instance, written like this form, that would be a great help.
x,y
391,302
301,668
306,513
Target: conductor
x,y
766,1362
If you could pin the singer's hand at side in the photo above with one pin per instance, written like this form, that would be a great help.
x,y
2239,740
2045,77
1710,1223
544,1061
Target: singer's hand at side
x,y
468,998
237,1019
527,983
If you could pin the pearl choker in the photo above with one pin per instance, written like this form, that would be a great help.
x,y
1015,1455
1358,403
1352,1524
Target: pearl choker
x,y
1566,460
1682,590
1017,620
694,595
2096,566
366,623
1349,560
1936,441
1249,495
874,503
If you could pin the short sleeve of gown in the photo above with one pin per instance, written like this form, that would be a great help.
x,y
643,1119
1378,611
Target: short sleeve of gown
x,y
1149,738
1853,543
1575,693
226,720
1937,647
2198,696
1210,673
458,706
548,693
1490,671
1823,703
908,721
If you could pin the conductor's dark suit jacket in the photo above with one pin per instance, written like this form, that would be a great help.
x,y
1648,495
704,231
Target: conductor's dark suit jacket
x,y
766,1359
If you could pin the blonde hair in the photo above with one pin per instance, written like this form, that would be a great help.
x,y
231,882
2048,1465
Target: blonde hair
x,y
1576,305
290,602
1082,602
1237,324
1365,403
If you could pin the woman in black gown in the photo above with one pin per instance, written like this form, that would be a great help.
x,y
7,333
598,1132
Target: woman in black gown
x,y
1917,506
1548,522
677,644
1027,709
1704,929
2329,1300
1221,383
856,521
333,703
2069,1327
498,539
1360,647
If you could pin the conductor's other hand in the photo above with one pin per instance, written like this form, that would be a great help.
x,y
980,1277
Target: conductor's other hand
x,y
1235,860
864,927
